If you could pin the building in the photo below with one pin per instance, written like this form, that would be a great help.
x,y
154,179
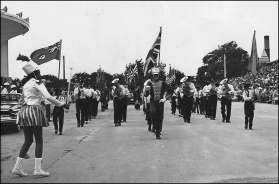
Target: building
x,y
265,58
11,26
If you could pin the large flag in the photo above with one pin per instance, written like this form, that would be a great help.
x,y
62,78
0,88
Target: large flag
x,y
171,77
153,54
47,54
253,61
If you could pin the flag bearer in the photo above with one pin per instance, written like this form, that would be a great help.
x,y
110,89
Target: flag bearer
x,y
156,88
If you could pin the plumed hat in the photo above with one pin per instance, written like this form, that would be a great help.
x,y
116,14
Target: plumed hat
x,y
155,70
30,67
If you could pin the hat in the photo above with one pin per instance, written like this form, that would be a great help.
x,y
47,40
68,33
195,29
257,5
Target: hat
x,y
30,67
6,84
155,70
115,81
13,86
184,79
224,80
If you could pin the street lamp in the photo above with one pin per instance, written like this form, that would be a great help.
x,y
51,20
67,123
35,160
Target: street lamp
x,y
219,59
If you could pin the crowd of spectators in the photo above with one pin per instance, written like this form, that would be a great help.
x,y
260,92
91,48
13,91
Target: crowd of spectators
x,y
265,83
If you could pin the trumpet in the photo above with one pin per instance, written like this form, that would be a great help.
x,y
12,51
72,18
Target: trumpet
x,y
186,90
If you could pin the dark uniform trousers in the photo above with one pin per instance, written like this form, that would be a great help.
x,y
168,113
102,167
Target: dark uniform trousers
x,y
249,113
157,115
124,112
173,105
188,105
87,109
226,105
58,114
80,110
202,105
206,105
180,104
91,108
147,115
118,110
212,99
95,107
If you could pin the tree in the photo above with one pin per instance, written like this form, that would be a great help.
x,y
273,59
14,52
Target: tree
x,y
236,63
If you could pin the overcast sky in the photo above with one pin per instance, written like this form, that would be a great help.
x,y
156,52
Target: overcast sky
x,y
113,34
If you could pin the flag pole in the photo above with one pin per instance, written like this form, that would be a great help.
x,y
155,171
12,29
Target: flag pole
x,y
59,58
63,71
225,68
59,70
159,57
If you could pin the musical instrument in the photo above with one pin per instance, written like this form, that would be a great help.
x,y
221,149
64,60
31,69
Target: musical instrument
x,y
213,90
226,91
118,93
186,89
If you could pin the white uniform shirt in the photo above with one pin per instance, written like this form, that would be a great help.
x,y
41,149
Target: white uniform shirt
x,y
34,93
87,92
205,90
82,94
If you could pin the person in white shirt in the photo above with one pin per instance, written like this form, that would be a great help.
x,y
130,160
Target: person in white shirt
x,y
196,107
96,98
226,90
32,117
125,103
13,87
91,92
188,89
5,88
205,91
80,104
88,94
249,105
212,98
118,101
201,101
58,112
179,95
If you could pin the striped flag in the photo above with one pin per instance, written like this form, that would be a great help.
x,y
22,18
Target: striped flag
x,y
171,77
152,55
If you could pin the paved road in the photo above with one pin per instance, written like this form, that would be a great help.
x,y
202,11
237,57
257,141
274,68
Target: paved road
x,y
202,151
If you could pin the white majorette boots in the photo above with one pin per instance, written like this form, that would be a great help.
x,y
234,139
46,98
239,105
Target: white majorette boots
x,y
18,168
38,170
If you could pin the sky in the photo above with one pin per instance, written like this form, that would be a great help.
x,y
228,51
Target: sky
x,y
112,34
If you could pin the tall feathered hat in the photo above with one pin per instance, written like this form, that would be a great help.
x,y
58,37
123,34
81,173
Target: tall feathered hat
x,y
30,67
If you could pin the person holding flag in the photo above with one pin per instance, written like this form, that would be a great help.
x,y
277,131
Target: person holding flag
x,y
158,91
